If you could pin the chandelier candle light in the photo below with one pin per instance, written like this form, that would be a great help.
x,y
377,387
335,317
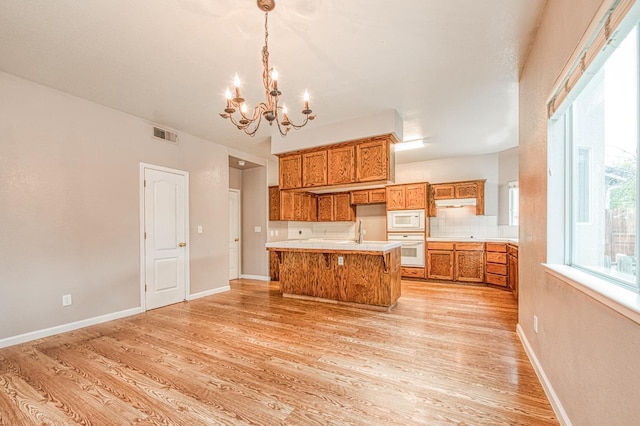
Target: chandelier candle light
x,y
270,109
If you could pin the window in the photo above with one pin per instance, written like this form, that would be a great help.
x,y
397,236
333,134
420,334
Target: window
x,y
599,130
514,200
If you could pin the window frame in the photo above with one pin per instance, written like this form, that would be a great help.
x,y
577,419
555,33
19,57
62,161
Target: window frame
x,y
616,294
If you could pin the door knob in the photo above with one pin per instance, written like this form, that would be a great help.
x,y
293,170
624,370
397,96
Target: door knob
x,y
182,244
236,240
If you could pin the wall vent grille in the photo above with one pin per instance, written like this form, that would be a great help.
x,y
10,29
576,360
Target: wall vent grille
x,y
165,135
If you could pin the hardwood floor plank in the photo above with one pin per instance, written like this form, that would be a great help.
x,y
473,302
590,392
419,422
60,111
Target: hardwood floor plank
x,y
446,354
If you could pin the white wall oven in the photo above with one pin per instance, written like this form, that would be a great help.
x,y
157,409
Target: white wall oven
x,y
405,221
412,251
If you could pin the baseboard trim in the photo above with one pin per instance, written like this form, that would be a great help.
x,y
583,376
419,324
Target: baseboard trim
x,y
558,409
38,334
210,292
256,277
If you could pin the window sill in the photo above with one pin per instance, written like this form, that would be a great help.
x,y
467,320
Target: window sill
x,y
621,300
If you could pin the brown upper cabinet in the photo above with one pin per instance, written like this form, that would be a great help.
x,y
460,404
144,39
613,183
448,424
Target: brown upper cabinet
x,y
291,171
407,197
368,160
290,205
369,196
341,165
314,166
335,207
456,190
372,160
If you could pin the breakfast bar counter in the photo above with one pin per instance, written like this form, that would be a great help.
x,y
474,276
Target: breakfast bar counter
x,y
341,271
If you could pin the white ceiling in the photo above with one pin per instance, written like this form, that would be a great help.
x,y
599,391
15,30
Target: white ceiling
x,y
450,68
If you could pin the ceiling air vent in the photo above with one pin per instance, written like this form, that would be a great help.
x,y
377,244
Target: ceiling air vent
x,y
165,135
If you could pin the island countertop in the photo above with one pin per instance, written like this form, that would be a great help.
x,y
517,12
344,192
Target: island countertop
x,y
334,245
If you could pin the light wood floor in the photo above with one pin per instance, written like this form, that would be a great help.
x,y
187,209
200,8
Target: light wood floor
x,y
447,354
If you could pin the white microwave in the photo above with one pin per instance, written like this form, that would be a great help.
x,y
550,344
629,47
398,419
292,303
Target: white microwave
x,y
405,220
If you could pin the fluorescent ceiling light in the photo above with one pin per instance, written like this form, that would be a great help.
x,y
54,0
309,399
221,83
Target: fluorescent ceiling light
x,y
404,146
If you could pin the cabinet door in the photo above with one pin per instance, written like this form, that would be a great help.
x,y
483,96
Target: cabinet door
x,y
372,161
291,171
443,191
309,207
395,197
274,203
287,206
360,197
466,190
342,209
314,169
440,264
274,266
325,208
415,196
377,196
469,266
341,165
298,206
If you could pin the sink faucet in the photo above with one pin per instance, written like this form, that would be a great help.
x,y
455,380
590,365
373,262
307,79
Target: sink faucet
x,y
359,240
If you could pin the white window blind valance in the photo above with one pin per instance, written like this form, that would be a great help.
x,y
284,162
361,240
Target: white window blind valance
x,y
606,35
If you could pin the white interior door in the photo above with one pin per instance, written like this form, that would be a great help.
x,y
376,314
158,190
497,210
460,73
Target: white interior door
x,y
234,234
165,243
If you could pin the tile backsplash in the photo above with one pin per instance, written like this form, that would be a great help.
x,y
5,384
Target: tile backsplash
x,y
462,222
451,222
332,230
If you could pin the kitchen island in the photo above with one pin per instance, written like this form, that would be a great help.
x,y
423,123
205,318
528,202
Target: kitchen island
x,y
340,271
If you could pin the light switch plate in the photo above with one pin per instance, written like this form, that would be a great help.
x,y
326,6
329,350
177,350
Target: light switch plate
x,y
257,228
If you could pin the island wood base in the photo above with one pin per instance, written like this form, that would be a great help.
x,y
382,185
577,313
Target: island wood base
x,y
365,279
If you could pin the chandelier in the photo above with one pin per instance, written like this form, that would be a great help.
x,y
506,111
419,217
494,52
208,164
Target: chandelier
x,y
271,110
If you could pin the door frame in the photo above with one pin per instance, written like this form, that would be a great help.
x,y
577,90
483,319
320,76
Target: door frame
x,y
239,220
187,261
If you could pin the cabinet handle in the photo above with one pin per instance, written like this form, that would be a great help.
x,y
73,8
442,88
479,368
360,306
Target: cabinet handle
x,y
182,244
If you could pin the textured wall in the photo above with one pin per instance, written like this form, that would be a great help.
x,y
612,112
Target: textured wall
x,y
588,352
70,210
255,258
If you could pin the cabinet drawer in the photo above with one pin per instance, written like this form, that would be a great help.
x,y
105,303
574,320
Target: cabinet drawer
x,y
360,197
470,246
496,258
494,268
412,272
377,195
500,280
498,247
439,246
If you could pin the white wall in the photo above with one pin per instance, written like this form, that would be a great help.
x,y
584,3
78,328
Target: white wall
x,y
457,169
255,258
69,207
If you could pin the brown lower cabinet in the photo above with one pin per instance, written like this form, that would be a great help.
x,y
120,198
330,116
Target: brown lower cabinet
x,y
468,264
451,261
408,272
496,264
512,265
440,259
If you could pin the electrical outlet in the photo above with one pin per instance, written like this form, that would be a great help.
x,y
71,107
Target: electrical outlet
x,y
340,260
66,300
535,323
